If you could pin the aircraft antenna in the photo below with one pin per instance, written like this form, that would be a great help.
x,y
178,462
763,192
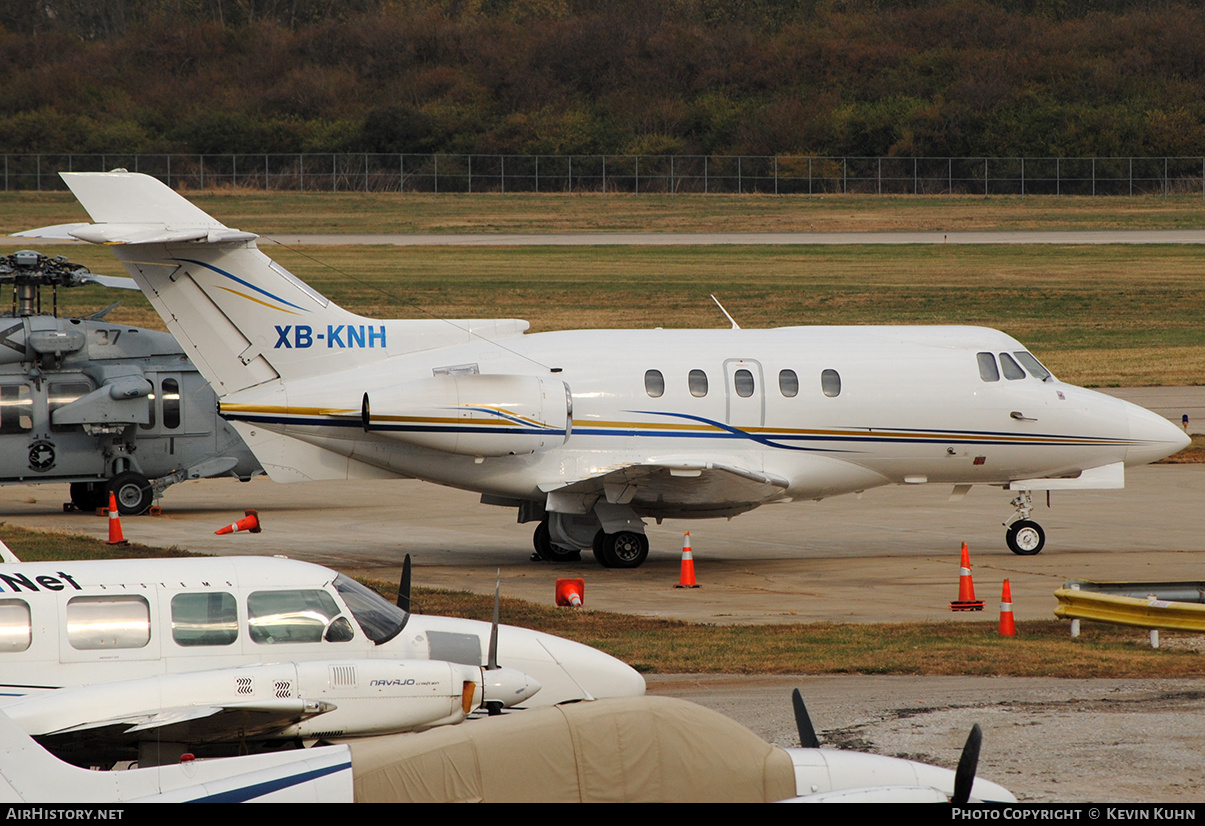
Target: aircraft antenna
x,y
735,326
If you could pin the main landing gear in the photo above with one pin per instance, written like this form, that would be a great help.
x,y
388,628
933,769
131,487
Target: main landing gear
x,y
625,549
1024,536
622,549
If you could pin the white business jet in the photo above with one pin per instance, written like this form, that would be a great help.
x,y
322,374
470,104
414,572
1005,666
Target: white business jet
x,y
108,660
586,432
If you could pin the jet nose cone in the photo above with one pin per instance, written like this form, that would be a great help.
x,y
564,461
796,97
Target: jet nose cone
x,y
1152,437
508,686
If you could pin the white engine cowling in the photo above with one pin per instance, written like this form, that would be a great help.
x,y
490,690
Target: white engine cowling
x,y
474,414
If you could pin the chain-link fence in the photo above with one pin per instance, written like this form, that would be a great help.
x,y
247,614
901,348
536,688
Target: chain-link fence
x,y
633,174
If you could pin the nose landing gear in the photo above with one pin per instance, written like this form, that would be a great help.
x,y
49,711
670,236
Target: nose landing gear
x,y
1024,536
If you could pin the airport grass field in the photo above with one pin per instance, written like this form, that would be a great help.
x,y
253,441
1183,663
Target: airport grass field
x,y
1110,315
1040,649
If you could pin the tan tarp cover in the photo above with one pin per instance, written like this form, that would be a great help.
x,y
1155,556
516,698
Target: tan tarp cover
x,y
637,749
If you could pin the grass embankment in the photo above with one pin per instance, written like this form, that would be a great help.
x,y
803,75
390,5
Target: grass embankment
x,y
357,212
1098,316
1041,649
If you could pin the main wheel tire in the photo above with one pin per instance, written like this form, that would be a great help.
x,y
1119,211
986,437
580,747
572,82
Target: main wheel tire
x,y
88,496
550,552
626,549
133,493
600,540
1025,537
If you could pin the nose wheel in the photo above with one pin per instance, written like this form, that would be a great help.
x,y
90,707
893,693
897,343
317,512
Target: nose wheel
x,y
1024,536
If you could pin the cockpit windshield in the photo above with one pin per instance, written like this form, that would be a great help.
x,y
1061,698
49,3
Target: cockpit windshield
x,y
1034,366
379,620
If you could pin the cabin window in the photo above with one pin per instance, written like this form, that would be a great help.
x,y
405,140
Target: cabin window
x,y
830,383
654,383
743,380
1034,366
379,619
278,617
788,383
204,618
987,367
16,409
171,403
1012,371
62,393
698,383
15,633
108,622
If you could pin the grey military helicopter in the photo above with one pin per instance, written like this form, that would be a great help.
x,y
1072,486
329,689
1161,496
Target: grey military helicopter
x,y
102,406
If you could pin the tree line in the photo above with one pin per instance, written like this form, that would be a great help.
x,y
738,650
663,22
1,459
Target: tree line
x,y
937,78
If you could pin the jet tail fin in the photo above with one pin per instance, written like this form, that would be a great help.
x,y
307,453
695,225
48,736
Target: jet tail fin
x,y
242,318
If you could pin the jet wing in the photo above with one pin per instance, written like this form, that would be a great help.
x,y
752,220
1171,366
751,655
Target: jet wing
x,y
695,484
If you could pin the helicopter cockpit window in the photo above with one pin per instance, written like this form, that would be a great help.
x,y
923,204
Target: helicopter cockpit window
x,y
379,619
16,408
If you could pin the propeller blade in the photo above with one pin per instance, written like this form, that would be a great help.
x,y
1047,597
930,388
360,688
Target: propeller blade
x,y
803,722
492,662
403,588
964,775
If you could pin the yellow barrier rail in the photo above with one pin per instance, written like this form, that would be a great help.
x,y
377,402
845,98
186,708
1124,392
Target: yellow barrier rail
x,y
1140,612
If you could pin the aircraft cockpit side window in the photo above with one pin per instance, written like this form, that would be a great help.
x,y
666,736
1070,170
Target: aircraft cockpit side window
x,y
16,408
1012,371
108,622
379,619
788,383
171,403
276,617
205,618
830,383
15,628
654,383
987,367
1034,366
698,383
743,381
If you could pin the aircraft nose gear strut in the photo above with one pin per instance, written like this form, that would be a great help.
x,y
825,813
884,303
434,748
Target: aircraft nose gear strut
x,y
1024,536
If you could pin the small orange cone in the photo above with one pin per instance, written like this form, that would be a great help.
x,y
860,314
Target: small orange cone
x,y
966,587
687,577
1007,627
115,537
249,523
570,592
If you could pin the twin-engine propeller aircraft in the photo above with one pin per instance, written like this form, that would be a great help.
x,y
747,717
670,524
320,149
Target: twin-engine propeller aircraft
x,y
109,660
586,432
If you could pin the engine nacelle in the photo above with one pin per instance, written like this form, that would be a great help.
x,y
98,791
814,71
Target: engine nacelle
x,y
473,414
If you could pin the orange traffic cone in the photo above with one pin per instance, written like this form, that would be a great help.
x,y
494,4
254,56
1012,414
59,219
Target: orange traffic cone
x,y
966,587
687,577
570,592
1007,627
249,523
115,537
